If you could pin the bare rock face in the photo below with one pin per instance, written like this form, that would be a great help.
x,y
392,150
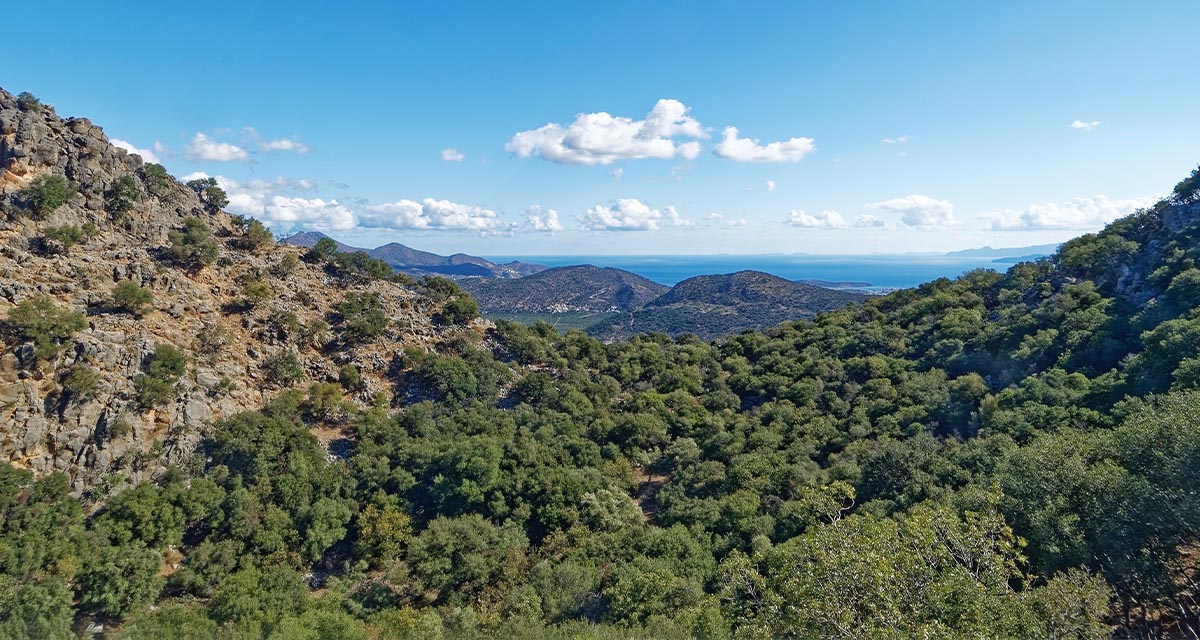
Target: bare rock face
x,y
226,337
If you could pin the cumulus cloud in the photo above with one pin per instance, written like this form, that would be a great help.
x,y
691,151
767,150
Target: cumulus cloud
x,y
1080,125
601,138
828,219
146,154
918,211
1080,213
540,219
629,214
868,221
896,140
280,144
451,154
203,148
431,214
307,213
738,149
770,185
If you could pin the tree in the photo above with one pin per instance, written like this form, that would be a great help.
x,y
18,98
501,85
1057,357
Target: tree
x,y
60,239
46,193
383,532
211,195
131,297
193,246
121,196
41,321
158,181
163,369
117,580
460,310
256,236
362,317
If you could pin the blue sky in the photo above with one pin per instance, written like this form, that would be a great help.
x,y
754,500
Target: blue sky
x,y
863,127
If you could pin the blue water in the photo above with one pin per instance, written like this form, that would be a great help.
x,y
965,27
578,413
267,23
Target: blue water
x,y
881,271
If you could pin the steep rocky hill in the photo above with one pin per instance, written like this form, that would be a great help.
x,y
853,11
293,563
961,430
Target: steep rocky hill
x,y
246,323
421,263
581,288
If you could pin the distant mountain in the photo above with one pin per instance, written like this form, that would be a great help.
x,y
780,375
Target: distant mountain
x,y
1037,250
420,263
715,305
580,288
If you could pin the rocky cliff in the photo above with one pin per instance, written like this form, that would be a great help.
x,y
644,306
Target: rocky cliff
x,y
233,319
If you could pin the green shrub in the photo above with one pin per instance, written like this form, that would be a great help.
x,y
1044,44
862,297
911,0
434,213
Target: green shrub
x,y
256,291
28,102
67,236
461,310
158,181
439,288
362,316
131,297
121,195
45,194
158,385
39,320
255,236
193,246
350,378
80,381
286,265
213,196
284,368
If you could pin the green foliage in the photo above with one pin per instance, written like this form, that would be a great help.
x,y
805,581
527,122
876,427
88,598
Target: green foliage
x,y
80,381
28,102
288,262
118,580
131,297
1188,189
66,236
283,368
122,195
193,246
383,533
41,321
156,178
211,195
350,377
362,317
159,384
459,310
45,194
256,236
256,292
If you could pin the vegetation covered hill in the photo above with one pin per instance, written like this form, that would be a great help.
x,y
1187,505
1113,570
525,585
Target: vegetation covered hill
x,y
999,455
716,305
580,288
417,263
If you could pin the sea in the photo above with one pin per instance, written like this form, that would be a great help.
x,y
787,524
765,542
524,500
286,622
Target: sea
x,y
874,272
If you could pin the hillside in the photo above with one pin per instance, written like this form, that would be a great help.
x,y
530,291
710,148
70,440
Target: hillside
x,y
581,288
419,263
208,434
716,305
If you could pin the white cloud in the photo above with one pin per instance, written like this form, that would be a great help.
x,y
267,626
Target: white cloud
x,y
828,219
1080,213
770,185
315,213
896,140
146,154
617,173
305,185
738,149
1080,125
918,211
601,138
717,219
540,219
204,148
280,144
629,214
430,214
451,154
868,221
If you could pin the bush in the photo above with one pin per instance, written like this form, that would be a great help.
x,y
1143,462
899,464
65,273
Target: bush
x,y
284,369
158,181
80,381
363,318
131,297
193,246
439,288
256,291
121,195
39,320
212,196
158,385
64,237
461,310
350,378
256,236
286,265
46,193
27,102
